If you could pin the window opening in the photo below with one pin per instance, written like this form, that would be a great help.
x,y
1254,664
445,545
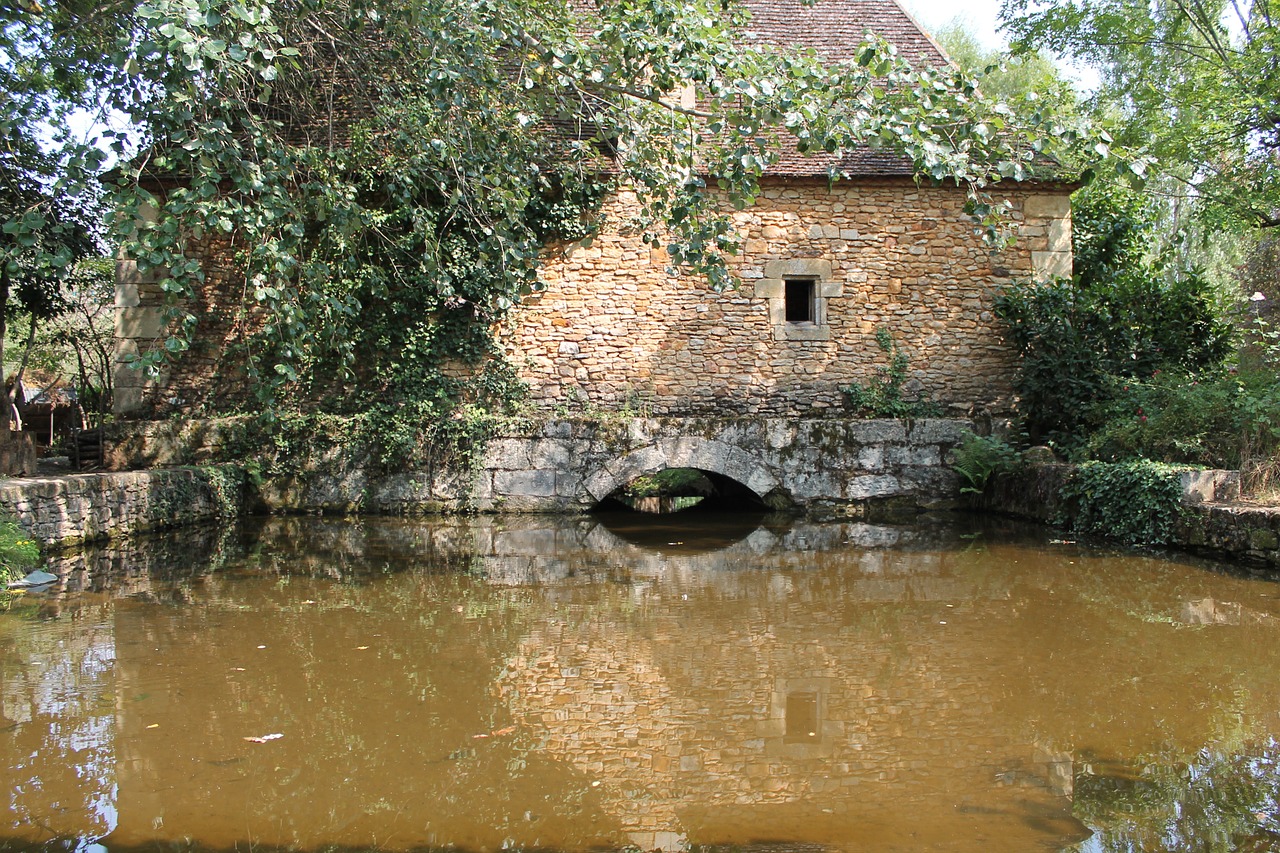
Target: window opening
x,y
801,300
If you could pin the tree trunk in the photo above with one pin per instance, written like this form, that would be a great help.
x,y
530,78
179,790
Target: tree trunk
x,y
4,302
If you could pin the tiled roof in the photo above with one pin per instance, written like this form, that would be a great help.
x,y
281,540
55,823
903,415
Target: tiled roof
x,y
835,29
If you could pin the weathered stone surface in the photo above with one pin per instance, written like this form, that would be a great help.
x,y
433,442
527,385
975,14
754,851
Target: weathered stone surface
x,y
63,511
538,483
880,252
571,465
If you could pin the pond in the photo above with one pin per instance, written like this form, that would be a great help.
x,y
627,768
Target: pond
x,y
628,681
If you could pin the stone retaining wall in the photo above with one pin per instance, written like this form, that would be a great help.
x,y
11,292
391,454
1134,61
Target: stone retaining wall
x,y
1212,520
66,511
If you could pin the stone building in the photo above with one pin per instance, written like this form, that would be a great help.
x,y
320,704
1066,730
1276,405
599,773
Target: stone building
x,y
824,266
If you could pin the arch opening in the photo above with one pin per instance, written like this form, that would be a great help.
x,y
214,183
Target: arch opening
x,y
682,489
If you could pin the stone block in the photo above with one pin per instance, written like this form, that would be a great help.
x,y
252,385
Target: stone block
x,y
1046,265
877,431
768,288
871,458
802,331
914,454
938,431
1209,485
127,280
798,267
780,433
816,485
1047,205
540,483
570,484
549,453
140,323
508,453
1059,235
873,486
558,429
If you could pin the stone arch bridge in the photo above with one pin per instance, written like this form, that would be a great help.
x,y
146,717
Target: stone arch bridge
x,y
837,466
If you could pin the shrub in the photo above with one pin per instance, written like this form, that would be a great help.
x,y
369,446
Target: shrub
x,y
883,396
1073,341
1170,416
1221,419
1136,502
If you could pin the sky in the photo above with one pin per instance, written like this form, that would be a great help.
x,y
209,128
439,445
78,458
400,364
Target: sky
x,y
981,18
978,16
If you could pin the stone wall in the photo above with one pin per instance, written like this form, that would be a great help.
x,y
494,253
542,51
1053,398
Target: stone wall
x,y
1213,521
614,328
210,369
65,511
821,466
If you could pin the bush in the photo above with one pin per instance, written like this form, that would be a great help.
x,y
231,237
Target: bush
x,y
1075,341
1220,419
1170,416
1136,502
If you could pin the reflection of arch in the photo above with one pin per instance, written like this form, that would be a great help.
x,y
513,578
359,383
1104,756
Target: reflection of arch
x,y
704,454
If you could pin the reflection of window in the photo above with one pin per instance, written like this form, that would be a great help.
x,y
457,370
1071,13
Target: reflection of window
x,y
800,295
802,718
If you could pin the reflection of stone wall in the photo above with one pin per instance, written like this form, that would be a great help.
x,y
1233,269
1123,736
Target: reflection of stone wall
x,y
137,565
775,719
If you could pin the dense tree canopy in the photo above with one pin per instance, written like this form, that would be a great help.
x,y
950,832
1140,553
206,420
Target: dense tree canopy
x,y
1194,82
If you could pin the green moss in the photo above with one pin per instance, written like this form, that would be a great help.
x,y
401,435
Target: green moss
x,y
1262,539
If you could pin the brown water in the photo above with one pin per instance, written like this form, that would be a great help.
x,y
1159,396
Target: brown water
x,y
568,685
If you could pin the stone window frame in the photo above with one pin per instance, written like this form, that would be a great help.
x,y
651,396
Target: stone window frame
x,y
773,288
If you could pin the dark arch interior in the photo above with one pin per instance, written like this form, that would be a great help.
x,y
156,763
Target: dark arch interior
x,y
683,490
683,511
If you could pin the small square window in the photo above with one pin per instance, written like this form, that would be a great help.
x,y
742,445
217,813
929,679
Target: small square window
x,y
801,300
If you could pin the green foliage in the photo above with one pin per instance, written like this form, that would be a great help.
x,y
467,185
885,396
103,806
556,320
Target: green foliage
x,y
1027,81
1073,340
1112,233
1125,315
19,553
883,396
668,481
366,159
1136,502
981,457
1220,419
1194,83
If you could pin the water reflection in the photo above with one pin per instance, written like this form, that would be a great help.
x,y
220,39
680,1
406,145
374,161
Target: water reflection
x,y
555,684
